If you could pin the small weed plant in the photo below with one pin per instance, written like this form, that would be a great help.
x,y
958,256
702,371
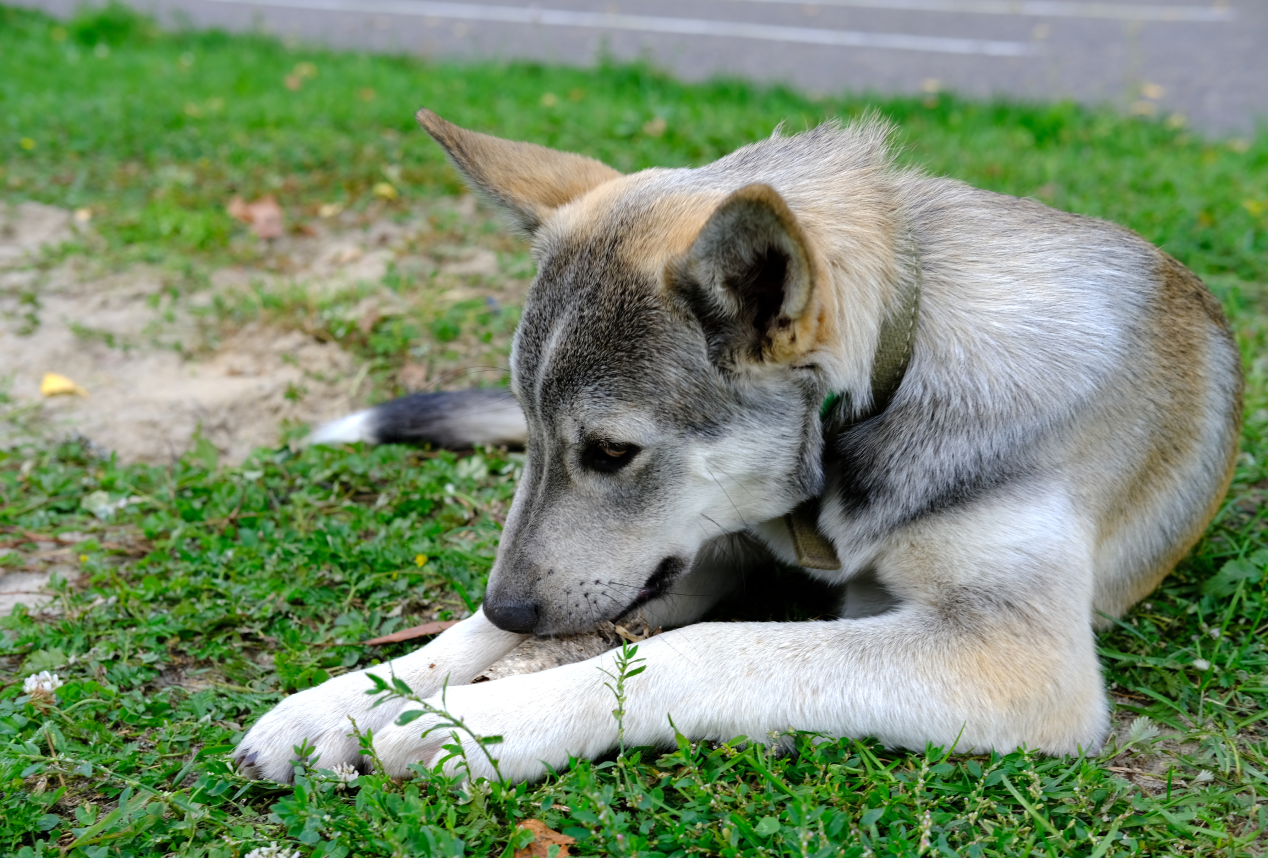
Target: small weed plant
x,y
626,666
397,689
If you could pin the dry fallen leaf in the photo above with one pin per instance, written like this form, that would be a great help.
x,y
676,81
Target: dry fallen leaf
x,y
59,385
264,215
415,632
543,839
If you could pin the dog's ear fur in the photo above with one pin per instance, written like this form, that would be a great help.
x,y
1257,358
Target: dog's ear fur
x,y
525,180
750,279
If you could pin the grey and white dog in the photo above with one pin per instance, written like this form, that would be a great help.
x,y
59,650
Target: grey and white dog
x,y
994,424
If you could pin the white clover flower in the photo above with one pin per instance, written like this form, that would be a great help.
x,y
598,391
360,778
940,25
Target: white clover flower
x,y
99,504
471,790
271,851
1201,664
42,684
344,773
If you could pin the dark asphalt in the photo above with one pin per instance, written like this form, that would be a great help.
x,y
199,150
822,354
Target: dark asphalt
x,y
1203,61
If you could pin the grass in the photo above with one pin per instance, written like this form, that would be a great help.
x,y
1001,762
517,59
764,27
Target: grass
x,y
204,592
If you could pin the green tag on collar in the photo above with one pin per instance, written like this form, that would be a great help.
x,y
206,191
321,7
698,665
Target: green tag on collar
x,y
828,404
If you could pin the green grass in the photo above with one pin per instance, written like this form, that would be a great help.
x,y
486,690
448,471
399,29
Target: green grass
x,y
216,589
155,133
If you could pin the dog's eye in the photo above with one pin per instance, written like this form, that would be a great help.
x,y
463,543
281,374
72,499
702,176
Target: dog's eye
x,y
608,456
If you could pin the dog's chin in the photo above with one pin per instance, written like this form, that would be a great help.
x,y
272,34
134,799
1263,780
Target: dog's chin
x,y
658,584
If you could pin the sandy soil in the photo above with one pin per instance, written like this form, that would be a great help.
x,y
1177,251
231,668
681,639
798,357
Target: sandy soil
x,y
156,371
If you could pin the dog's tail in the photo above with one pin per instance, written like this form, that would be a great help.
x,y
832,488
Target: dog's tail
x,y
457,420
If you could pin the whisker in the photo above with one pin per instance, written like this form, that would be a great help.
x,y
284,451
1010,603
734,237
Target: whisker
x,y
679,593
709,519
728,495
454,375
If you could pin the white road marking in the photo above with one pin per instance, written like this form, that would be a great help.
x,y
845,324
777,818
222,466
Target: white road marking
x,y
656,24
1215,12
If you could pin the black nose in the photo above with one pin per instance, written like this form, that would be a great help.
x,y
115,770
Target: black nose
x,y
518,617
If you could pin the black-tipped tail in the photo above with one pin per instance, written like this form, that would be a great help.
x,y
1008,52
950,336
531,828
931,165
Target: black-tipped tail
x,y
463,418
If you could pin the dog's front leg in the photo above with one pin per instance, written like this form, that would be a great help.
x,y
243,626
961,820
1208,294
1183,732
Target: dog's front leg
x,y
909,678
991,647
324,715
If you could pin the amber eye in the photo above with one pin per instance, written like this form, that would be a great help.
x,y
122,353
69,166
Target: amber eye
x,y
608,456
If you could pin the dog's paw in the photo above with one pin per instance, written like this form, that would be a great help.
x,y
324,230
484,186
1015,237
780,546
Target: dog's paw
x,y
324,715
323,718
541,720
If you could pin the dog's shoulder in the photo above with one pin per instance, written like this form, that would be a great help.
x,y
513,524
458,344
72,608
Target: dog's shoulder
x,y
1057,349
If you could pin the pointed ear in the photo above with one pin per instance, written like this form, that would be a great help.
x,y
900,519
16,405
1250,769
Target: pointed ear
x,y
750,279
525,180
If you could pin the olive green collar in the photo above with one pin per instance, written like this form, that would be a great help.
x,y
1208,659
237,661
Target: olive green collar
x,y
889,366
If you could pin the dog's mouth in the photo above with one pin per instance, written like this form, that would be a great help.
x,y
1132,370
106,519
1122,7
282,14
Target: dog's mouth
x,y
658,583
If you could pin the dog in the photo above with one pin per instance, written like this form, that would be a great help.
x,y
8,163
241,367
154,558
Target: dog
x,y
991,425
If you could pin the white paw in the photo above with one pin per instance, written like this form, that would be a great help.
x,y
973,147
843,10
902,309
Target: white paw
x,y
542,719
324,715
321,716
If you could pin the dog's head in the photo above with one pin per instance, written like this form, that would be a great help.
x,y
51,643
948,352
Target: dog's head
x,y
665,365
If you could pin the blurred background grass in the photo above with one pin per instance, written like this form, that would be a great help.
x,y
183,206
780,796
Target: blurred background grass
x,y
156,131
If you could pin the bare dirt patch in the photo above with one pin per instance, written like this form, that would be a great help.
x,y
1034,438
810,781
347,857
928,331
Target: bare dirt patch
x,y
138,355
160,366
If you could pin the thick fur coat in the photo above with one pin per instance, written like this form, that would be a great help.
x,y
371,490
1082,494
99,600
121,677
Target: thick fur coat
x,y
1064,432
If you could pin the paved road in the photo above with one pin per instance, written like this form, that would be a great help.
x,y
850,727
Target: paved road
x,y
1204,60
